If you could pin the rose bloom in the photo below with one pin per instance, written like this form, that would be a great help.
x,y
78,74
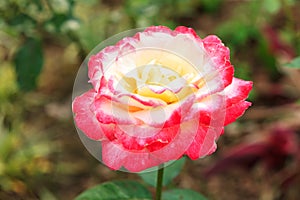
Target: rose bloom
x,y
158,96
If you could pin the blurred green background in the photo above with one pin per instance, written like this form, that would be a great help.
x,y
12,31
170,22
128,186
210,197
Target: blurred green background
x,y
42,45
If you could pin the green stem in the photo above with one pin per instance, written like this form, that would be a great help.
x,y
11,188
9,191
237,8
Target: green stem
x,y
160,176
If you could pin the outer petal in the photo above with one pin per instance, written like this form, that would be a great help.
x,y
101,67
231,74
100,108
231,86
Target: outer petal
x,y
176,148
85,118
194,150
237,91
107,111
209,108
159,29
154,37
115,156
235,111
235,95
153,129
99,63
133,138
211,118
186,30
220,55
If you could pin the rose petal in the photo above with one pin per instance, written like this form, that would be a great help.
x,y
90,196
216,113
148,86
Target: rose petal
x,y
235,95
147,101
169,115
85,118
235,111
204,142
178,146
210,107
186,30
159,29
237,91
134,137
108,111
220,55
194,149
99,64
115,156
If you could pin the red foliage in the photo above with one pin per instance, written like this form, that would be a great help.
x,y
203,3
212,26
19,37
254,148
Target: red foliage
x,y
272,152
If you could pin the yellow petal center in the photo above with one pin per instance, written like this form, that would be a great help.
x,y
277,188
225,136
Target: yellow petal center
x,y
138,70
167,95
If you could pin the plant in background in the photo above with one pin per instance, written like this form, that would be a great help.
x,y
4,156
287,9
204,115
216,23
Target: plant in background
x,y
157,96
25,27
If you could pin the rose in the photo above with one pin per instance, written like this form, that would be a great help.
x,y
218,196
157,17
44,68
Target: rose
x,y
159,95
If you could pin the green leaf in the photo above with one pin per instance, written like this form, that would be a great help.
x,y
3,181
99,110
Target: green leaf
x,y
295,63
181,194
21,19
211,6
28,63
39,4
117,190
57,21
170,172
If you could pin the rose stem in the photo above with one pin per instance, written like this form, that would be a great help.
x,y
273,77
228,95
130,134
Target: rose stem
x,y
160,176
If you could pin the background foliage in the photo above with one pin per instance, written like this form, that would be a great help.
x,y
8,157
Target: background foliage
x,y
43,42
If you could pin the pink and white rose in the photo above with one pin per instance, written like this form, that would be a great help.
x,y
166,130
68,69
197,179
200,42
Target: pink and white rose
x,y
159,95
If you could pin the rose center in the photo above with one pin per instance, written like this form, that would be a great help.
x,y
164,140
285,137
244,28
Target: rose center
x,y
154,73
167,95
